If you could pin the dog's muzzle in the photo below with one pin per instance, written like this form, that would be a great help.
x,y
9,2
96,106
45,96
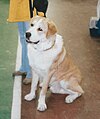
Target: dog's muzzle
x,y
28,35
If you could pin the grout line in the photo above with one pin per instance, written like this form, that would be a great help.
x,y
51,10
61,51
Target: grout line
x,y
16,101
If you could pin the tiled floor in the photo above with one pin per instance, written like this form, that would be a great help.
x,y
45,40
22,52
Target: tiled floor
x,y
72,19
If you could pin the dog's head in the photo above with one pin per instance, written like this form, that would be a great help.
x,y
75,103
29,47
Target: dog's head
x,y
41,29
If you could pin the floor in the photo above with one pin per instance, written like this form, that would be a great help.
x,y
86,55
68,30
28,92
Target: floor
x,y
72,19
8,46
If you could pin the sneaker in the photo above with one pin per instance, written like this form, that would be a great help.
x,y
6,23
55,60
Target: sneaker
x,y
27,81
19,73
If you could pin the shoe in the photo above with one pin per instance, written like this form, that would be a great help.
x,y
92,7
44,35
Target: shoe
x,y
27,81
19,73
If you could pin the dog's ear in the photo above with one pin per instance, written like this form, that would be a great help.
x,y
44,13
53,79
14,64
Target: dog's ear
x,y
51,29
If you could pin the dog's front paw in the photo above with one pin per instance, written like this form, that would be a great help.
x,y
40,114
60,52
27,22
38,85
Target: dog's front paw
x,y
42,107
29,97
69,99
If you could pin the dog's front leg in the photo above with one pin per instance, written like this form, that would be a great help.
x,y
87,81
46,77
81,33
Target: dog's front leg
x,y
41,102
34,83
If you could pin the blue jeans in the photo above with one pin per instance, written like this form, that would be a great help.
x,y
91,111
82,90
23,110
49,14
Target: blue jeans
x,y
22,28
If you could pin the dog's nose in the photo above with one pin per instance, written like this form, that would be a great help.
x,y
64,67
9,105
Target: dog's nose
x,y
28,34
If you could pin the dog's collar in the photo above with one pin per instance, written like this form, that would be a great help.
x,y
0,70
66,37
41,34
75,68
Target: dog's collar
x,y
50,47
47,48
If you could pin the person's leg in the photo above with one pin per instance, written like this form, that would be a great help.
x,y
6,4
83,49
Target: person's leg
x,y
23,44
22,27
27,67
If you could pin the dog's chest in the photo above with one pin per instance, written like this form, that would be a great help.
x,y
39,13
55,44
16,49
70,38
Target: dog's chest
x,y
40,61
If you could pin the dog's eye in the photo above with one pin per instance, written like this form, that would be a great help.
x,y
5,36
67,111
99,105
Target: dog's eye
x,y
39,29
32,24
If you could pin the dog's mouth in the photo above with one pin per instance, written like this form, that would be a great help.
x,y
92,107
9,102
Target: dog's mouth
x,y
28,41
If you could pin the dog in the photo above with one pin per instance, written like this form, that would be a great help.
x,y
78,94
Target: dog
x,y
51,65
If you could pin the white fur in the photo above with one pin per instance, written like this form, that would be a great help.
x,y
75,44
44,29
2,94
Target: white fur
x,y
41,61
41,57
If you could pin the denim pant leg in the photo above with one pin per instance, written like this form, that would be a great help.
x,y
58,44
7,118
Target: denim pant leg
x,y
22,28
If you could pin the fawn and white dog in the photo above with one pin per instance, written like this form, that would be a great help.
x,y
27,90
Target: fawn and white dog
x,y
51,65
